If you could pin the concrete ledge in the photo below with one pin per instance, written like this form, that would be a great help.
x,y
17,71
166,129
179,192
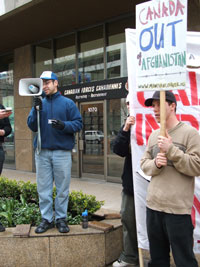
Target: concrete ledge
x,y
80,247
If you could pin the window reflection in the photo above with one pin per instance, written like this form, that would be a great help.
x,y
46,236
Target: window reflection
x,y
91,62
64,62
62,58
116,48
43,57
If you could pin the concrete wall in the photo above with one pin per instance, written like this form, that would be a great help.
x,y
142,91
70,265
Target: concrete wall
x,y
78,248
23,136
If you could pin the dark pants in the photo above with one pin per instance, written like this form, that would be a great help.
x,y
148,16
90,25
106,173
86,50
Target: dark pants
x,y
165,230
130,245
2,158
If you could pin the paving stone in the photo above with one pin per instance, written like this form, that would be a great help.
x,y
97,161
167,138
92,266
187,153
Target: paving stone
x,y
22,230
100,225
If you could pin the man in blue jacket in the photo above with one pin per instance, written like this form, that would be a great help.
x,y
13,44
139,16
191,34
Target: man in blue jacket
x,y
60,119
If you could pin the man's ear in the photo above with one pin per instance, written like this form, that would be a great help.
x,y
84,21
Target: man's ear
x,y
173,105
56,83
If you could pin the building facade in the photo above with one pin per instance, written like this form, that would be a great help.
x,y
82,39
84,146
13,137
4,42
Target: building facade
x,y
84,44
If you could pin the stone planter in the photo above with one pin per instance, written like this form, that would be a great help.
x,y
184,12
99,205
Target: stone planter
x,y
78,248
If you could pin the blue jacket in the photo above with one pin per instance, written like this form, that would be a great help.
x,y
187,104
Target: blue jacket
x,y
61,108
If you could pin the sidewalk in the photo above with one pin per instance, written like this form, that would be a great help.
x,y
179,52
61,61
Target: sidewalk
x,y
109,192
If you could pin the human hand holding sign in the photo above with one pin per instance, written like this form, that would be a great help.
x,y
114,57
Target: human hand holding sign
x,y
161,160
164,142
129,121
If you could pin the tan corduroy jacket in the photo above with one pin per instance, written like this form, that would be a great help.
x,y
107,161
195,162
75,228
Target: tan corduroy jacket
x,y
171,189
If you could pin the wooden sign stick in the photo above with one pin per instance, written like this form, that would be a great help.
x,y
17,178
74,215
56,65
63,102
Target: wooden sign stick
x,y
162,114
141,261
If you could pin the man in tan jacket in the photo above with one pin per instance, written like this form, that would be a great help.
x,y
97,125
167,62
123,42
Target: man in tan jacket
x,y
171,190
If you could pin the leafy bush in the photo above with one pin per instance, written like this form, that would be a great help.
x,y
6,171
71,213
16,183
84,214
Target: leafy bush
x,y
74,220
78,202
19,204
13,212
7,209
12,188
9,188
29,192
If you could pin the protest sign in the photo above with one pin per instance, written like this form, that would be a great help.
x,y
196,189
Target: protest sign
x,y
188,111
161,45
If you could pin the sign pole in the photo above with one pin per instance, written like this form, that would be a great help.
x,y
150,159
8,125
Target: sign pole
x,y
162,113
141,261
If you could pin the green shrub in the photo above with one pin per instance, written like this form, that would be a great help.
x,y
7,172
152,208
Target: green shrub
x,y
29,191
9,188
13,212
27,213
7,207
78,202
19,203
13,188
73,220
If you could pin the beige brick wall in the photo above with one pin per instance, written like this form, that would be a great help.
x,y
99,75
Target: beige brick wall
x,y
23,136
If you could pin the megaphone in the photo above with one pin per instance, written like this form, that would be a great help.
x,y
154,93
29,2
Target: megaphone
x,y
30,87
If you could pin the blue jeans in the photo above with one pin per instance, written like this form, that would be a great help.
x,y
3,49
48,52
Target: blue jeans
x,y
53,166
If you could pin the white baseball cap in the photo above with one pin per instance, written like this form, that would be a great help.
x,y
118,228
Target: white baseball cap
x,y
48,75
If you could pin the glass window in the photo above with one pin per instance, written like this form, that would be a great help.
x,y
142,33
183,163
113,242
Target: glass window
x,y
7,99
116,118
64,62
91,63
116,48
43,57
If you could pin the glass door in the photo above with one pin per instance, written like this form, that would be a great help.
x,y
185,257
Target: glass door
x,y
92,135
